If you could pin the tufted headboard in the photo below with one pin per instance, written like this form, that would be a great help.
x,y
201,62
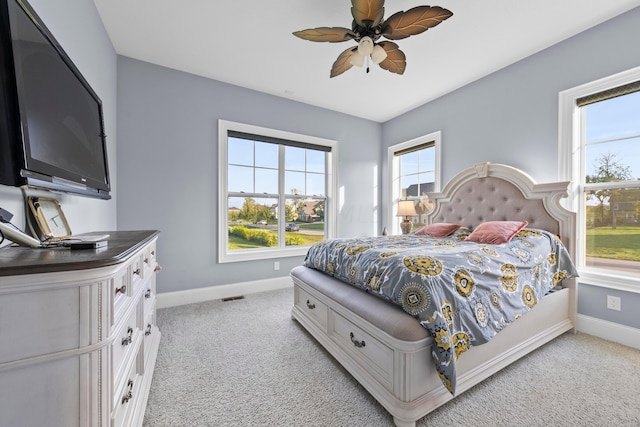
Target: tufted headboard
x,y
495,192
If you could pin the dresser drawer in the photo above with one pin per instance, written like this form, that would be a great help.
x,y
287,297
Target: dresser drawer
x,y
149,260
26,392
121,292
149,296
136,273
126,285
363,347
311,306
123,346
125,398
150,331
37,323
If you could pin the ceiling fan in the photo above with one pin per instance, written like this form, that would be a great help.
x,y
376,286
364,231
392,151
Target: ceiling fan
x,y
368,27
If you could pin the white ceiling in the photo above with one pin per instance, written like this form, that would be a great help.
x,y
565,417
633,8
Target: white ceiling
x,y
249,43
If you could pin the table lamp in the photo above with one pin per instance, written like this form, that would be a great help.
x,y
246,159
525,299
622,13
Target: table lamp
x,y
406,208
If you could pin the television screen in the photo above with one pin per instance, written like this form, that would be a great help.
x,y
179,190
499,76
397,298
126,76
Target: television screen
x,y
61,122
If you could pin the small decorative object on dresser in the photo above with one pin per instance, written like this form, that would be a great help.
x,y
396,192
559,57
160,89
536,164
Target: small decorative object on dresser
x,y
78,333
47,218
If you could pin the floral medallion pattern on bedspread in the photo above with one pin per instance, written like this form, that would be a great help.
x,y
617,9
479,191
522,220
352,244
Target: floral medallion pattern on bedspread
x,y
462,292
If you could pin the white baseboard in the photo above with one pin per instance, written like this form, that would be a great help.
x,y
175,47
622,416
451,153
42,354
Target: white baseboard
x,y
610,331
172,299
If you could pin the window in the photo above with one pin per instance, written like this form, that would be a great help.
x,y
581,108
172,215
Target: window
x,y
600,154
415,172
275,192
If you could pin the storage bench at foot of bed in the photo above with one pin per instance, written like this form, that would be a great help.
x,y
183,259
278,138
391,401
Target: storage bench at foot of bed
x,y
389,353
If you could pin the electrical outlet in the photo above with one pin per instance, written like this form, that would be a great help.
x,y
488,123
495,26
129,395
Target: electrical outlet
x,y
276,265
614,303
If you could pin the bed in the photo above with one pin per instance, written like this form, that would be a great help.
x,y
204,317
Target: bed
x,y
393,352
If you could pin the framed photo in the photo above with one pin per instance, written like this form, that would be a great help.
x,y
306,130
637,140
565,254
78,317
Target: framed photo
x,y
49,220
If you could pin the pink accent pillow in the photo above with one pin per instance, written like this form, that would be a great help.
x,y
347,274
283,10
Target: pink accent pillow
x,y
496,232
440,229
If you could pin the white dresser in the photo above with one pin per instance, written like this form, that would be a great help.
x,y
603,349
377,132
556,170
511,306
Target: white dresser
x,y
78,334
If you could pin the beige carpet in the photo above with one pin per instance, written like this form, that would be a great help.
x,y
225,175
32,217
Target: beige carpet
x,y
246,363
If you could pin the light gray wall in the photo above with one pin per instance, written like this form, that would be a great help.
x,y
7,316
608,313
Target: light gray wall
x,y
77,27
511,117
592,301
168,173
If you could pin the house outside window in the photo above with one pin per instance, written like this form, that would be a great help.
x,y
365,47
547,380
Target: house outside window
x,y
600,154
276,192
415,172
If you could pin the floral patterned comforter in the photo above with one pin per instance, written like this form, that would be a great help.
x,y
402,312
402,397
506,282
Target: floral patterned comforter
x,y
463,293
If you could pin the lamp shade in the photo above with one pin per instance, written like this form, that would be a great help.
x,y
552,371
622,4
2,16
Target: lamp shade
x,y
378,54
406,208
365,47
357,60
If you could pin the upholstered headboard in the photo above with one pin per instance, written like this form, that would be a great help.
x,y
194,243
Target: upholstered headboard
x,y
495,192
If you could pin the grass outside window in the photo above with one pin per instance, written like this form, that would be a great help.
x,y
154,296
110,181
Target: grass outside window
x,y
621,243
293,238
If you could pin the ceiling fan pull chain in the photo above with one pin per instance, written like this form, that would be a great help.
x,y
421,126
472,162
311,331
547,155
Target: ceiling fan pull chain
x,y
367,64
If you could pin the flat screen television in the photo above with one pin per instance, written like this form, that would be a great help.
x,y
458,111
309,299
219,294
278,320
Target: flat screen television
x,y
51,120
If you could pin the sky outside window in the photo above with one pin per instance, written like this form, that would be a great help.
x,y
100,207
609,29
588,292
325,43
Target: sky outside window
x,y
613,127
253,168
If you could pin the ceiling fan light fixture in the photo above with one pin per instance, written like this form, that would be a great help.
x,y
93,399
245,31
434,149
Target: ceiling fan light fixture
x,y
357,60
365,47
378,54
368,26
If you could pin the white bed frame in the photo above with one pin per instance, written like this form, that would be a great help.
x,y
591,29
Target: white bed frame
x,y
399,372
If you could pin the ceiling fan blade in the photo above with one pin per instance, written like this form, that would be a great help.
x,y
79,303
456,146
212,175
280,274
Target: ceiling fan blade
x,y
396,61
367,13
326,34
343,63
414,21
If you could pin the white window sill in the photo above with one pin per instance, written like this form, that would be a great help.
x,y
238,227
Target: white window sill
x,y
257,254
627,282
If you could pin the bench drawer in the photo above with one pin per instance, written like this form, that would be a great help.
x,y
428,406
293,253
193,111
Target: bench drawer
x,y
312,307
363,347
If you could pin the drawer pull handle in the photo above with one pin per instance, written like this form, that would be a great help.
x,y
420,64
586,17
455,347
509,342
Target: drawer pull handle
x,y
158,268
147,294
146,260
127,397
136,272
127,340
121,290
356,342
148,331
310,306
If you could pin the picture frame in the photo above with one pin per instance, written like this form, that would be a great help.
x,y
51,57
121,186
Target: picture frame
x,y
49,221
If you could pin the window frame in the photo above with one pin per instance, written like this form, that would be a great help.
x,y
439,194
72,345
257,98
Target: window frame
x,y
394,173
226,256
571,166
